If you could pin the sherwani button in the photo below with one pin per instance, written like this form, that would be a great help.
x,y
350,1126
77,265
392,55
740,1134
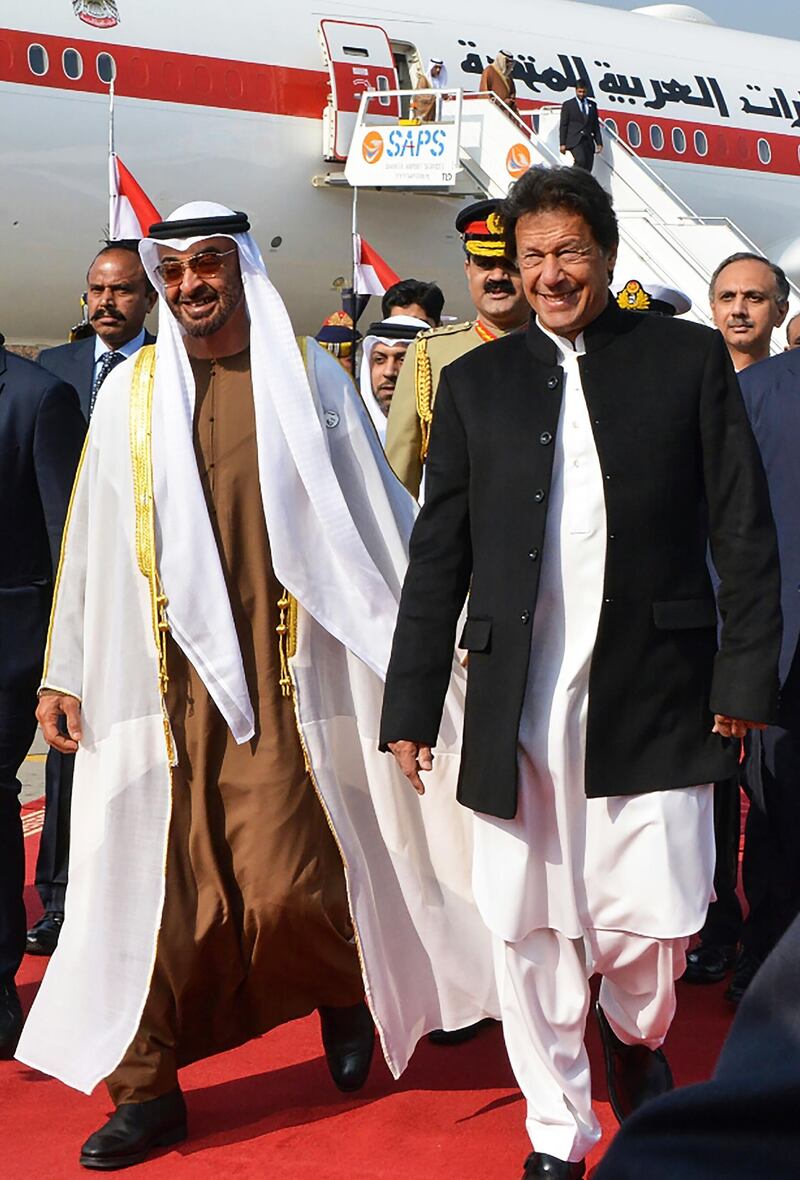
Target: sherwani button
x,y
545,438
552,382
525,617
538,495
533,554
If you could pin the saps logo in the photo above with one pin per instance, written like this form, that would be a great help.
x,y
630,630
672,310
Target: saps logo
x,y
372,147
415,143
518,160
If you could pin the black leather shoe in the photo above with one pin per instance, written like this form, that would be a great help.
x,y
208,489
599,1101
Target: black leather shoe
x,y
708,963
43,936
747,965
635,1073
134,1130
458,1036
348,1037
538,1164
10,1020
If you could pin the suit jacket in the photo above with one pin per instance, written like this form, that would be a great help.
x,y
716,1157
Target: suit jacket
x,y
680,467
771,392
575,126
74,363
743,1123
41,435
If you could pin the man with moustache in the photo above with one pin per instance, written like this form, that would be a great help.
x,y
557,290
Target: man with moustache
x,y
496,292
749,298
574,483
220,632
119,296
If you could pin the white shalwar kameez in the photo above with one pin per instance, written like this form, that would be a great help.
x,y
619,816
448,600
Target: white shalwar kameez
x,y
572,886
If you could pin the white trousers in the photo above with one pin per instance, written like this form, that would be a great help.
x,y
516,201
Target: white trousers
x,y
543,981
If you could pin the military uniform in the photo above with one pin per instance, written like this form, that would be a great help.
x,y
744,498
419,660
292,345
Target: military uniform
x,y
412,404
411,411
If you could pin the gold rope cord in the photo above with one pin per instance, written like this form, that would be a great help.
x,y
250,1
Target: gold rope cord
x,y
423,385
141,436
287,639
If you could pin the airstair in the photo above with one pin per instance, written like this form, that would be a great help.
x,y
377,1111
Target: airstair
x,y
478,146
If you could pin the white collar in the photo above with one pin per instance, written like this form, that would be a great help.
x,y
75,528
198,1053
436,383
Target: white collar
x,y
566,348
126,350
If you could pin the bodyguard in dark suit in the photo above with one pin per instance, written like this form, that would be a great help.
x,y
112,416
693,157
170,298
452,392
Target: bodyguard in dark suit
x,y
579,131
653,702
41,433
119,296
771,393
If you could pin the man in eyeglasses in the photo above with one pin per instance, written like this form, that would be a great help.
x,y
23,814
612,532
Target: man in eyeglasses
x,y
494,287
119,297
221,627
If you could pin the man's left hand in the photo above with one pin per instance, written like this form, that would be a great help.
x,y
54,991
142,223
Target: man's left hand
x,y
734,727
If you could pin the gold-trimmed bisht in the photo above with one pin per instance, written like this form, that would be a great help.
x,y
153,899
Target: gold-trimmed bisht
x,y
141,437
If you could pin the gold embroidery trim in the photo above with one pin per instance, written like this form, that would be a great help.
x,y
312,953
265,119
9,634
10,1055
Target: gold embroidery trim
x,y
423,385
141,437
61,561
287,639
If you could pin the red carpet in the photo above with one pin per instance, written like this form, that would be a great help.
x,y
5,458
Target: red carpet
x,y
269,1109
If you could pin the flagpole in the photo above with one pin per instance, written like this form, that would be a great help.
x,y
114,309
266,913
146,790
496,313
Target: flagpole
x,y
354,237
111,186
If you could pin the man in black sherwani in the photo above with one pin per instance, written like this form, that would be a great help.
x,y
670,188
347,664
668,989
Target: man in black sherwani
x,y
577,474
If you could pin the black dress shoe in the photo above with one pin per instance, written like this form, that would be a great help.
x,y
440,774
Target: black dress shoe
x,y
43,937
635,1073
10,1020
458,1036
348,1037
708,963
538,1164
134,1130
747,965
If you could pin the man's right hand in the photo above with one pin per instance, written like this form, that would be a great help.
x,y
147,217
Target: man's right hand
x,y
53,705
412,758
563,150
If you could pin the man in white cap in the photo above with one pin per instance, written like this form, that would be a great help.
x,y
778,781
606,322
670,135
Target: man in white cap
x,y
221,625
382,356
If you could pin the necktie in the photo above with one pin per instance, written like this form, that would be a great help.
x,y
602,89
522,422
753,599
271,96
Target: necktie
x,y
108,362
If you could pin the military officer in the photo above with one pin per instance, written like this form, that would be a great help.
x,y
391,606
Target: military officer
x,y
495,289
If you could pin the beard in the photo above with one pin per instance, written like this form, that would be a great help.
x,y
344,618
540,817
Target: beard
x,y
227,299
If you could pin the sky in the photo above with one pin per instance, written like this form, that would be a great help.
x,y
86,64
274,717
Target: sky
x,y
777,18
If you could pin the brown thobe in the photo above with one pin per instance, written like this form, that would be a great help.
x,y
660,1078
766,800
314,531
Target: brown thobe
x,y
493,82
255,929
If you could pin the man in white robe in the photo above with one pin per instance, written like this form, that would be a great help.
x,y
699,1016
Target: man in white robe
x,y
156,658
576,476
382,355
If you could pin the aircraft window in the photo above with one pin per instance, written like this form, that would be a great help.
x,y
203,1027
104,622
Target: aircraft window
x,y
383,84
355,51
72,62
700,143
37,60
202,80
656,137
764,151
106,68
634,134
678,140
611,124
234,84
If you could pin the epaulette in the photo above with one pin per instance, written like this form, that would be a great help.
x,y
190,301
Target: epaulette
x,y
445,330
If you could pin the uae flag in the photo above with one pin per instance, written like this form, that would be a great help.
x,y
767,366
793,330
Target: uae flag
x,y
373,274
131,212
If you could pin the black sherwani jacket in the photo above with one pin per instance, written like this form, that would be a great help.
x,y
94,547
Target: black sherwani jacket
x,y
680,468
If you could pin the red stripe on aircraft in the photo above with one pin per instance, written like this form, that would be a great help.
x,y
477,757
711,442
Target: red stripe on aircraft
x,y
163,76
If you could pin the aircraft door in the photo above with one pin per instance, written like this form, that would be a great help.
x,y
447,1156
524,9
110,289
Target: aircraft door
x,y
359,57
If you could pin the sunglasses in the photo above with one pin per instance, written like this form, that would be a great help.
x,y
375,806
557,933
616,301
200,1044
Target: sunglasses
x,y
205,266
